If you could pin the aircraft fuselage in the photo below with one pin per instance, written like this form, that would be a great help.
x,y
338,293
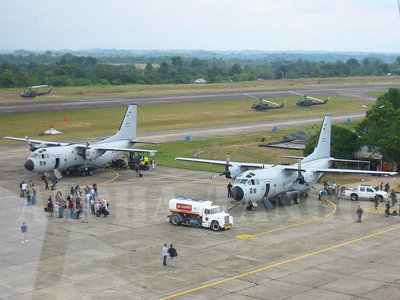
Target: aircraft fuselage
x,y
63,158
254,185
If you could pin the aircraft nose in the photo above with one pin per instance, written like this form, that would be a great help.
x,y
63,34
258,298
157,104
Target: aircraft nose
x,y
29,165
237,193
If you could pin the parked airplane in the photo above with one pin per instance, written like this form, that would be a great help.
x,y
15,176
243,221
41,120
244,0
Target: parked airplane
x,y
273,182
61,157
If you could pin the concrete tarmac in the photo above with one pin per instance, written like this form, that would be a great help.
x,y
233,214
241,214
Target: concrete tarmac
x,y
306,251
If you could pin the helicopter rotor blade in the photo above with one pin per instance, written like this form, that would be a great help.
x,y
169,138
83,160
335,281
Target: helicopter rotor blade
x,y
297,94
270,102
252,96
315,98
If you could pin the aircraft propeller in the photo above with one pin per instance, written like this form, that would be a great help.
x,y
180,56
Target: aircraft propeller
x,y
264,100
300,178
226,172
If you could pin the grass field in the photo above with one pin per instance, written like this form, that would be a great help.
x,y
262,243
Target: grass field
x,y
103,122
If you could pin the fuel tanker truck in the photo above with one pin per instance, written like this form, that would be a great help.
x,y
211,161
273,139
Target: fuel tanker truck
x,y
200,213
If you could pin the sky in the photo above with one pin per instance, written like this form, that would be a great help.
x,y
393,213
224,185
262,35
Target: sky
x,y
271,25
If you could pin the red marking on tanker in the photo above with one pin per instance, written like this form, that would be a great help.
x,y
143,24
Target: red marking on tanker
x,y
184,206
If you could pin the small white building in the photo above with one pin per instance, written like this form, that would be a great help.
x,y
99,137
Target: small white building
x,y
200,80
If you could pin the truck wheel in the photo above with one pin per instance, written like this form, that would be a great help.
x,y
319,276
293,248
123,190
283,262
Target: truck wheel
x,y
353,197
175,220
215,226
380,197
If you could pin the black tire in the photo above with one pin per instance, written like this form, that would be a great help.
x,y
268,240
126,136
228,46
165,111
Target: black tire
x,y
354,197
83,173
380,198
215,226
90,173
175,220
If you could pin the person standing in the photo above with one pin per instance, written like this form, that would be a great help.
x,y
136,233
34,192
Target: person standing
x,y
376,201
165,254
359,214
172,254
24,230
229,187
34,201
71,207
28,196
387,210
24,188
46,181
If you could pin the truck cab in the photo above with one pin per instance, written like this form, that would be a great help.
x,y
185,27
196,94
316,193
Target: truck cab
x,y
197,212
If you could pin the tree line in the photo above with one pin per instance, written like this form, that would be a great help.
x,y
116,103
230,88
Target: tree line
x,y
74,70
379,130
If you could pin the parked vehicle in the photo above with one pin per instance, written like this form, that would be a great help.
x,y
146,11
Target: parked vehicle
x,y
367,192
201,213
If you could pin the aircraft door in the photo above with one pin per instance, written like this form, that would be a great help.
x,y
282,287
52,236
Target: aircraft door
x,y
56,165
267,187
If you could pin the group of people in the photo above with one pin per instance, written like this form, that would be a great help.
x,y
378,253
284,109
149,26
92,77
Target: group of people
x,y
78,205
27,190
171,251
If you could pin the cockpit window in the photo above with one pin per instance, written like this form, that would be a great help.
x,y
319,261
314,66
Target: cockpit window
x,y
237,180
243,181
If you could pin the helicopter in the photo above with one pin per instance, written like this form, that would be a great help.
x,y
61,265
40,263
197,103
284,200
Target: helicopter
x,y
264,106
33,93
306,102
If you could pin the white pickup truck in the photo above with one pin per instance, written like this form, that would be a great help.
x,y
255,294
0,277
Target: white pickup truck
x,y
365,192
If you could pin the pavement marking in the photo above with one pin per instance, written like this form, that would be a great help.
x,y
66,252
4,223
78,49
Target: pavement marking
x,y
283,262
252,236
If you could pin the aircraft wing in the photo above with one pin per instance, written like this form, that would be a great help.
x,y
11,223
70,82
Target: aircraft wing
x,y
96,147
223,162
28,140
340,171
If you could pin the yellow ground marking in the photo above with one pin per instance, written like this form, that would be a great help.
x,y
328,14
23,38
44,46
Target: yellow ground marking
x,y
282,263
379,210
252,236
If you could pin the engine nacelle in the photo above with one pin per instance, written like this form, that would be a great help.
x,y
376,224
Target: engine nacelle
x,y
235,170
93,153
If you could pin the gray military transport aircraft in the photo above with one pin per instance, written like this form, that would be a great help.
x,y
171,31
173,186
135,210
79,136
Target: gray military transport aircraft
x,y
276,182
59,157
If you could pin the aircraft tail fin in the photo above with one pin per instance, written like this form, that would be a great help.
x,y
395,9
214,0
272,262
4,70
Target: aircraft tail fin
x,y
323,148
127,130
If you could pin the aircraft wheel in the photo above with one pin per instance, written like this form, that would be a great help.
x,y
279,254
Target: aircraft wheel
x,y
215,226
90,173
83,173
